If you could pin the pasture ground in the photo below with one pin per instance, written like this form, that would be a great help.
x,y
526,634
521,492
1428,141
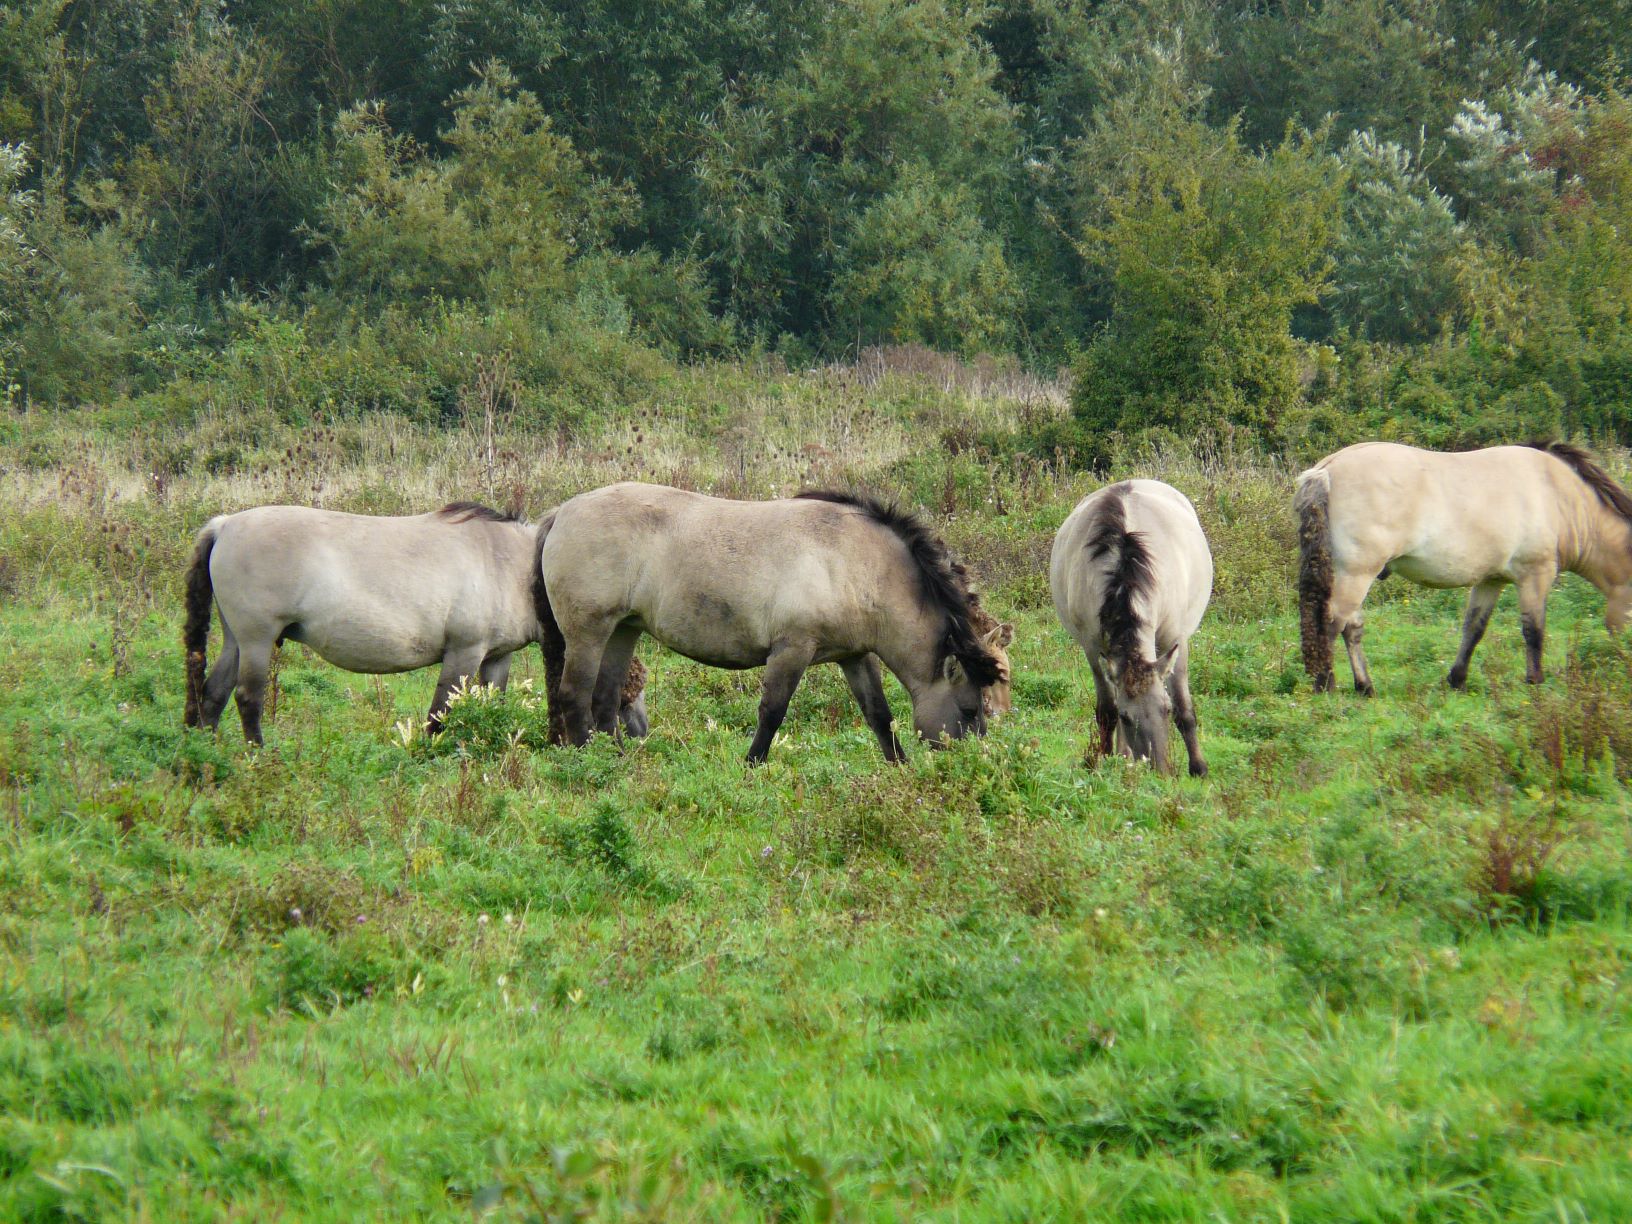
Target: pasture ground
x,y
1374,968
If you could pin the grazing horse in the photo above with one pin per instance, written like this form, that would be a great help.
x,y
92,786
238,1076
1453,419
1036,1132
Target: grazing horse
x,y
1131,574
1480,519
824,577
998,696
369,595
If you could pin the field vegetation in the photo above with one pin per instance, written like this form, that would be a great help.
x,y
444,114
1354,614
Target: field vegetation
x,y
1373,968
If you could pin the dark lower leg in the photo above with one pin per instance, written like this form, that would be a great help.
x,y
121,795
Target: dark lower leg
x,y
1534,639
620,648
577,692
1184,715
1481,602
867,683
457,670
253,669
782,674
1105,716
218,688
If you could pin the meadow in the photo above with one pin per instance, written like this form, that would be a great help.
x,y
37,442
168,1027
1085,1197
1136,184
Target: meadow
x,y
1374,967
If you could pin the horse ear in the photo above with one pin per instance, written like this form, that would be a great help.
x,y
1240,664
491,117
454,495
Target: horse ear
x,y
1005,634
951,669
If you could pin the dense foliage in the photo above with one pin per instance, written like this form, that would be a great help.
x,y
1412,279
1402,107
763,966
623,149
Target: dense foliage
x,y
1307,220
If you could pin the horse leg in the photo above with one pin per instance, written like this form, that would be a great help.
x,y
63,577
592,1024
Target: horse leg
x,y
620,648
1352,633
1348,593
580,673
1533,590
223,679
1184,710
1481,603
458,666
1104,710
496,672
867,683
254,667
782,674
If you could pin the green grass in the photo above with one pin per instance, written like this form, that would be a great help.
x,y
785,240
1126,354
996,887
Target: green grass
x,y
1374,968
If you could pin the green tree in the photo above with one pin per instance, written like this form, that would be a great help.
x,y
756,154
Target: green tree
x,y
1208,248
1399,249
919,265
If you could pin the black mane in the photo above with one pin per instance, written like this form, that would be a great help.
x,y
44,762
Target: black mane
x,y
464,511
1129,577
1598,480
944,585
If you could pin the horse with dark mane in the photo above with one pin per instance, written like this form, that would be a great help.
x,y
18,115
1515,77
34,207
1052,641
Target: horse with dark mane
x,y
824,577
1131,574
1480,519
369,594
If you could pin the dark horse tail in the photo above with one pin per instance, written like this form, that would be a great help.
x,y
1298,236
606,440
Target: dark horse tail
x,y
550,640
1315,574
195,635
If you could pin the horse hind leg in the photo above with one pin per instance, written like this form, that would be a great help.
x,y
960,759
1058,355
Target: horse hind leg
x,y
254,668
496,672
1345,619
223,679
608,695
1481,603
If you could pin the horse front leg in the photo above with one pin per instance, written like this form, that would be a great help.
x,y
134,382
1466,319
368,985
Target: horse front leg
x,y
458,666
1481,603
783,671
1533,619
1104,710
866,682
1184,711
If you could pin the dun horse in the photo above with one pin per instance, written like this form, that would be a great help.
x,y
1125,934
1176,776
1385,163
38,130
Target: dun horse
x,y
367,594
1480,519
826,577
1131,574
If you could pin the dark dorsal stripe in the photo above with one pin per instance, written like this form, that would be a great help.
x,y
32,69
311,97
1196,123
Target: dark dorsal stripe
x,y
464,511
1598,480
1129,577
942,579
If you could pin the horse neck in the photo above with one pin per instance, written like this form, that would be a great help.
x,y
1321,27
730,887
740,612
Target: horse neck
x,y
908,646
1602,546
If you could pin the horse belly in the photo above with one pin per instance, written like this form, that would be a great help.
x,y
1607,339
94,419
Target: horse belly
x,y
373,646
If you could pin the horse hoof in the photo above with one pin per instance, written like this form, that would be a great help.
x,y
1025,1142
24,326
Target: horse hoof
x,y
1325,683
1457,680
1198,769
1365,690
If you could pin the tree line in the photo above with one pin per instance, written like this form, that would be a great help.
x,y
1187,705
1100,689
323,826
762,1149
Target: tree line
x,y
1280,217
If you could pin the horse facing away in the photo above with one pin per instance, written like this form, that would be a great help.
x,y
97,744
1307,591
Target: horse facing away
x,y
825,577
369,594
1480,519
1131,575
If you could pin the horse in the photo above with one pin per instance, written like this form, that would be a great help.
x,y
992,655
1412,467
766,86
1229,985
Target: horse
x,y
1131,575
1479,519
997,698
783,585
369,594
